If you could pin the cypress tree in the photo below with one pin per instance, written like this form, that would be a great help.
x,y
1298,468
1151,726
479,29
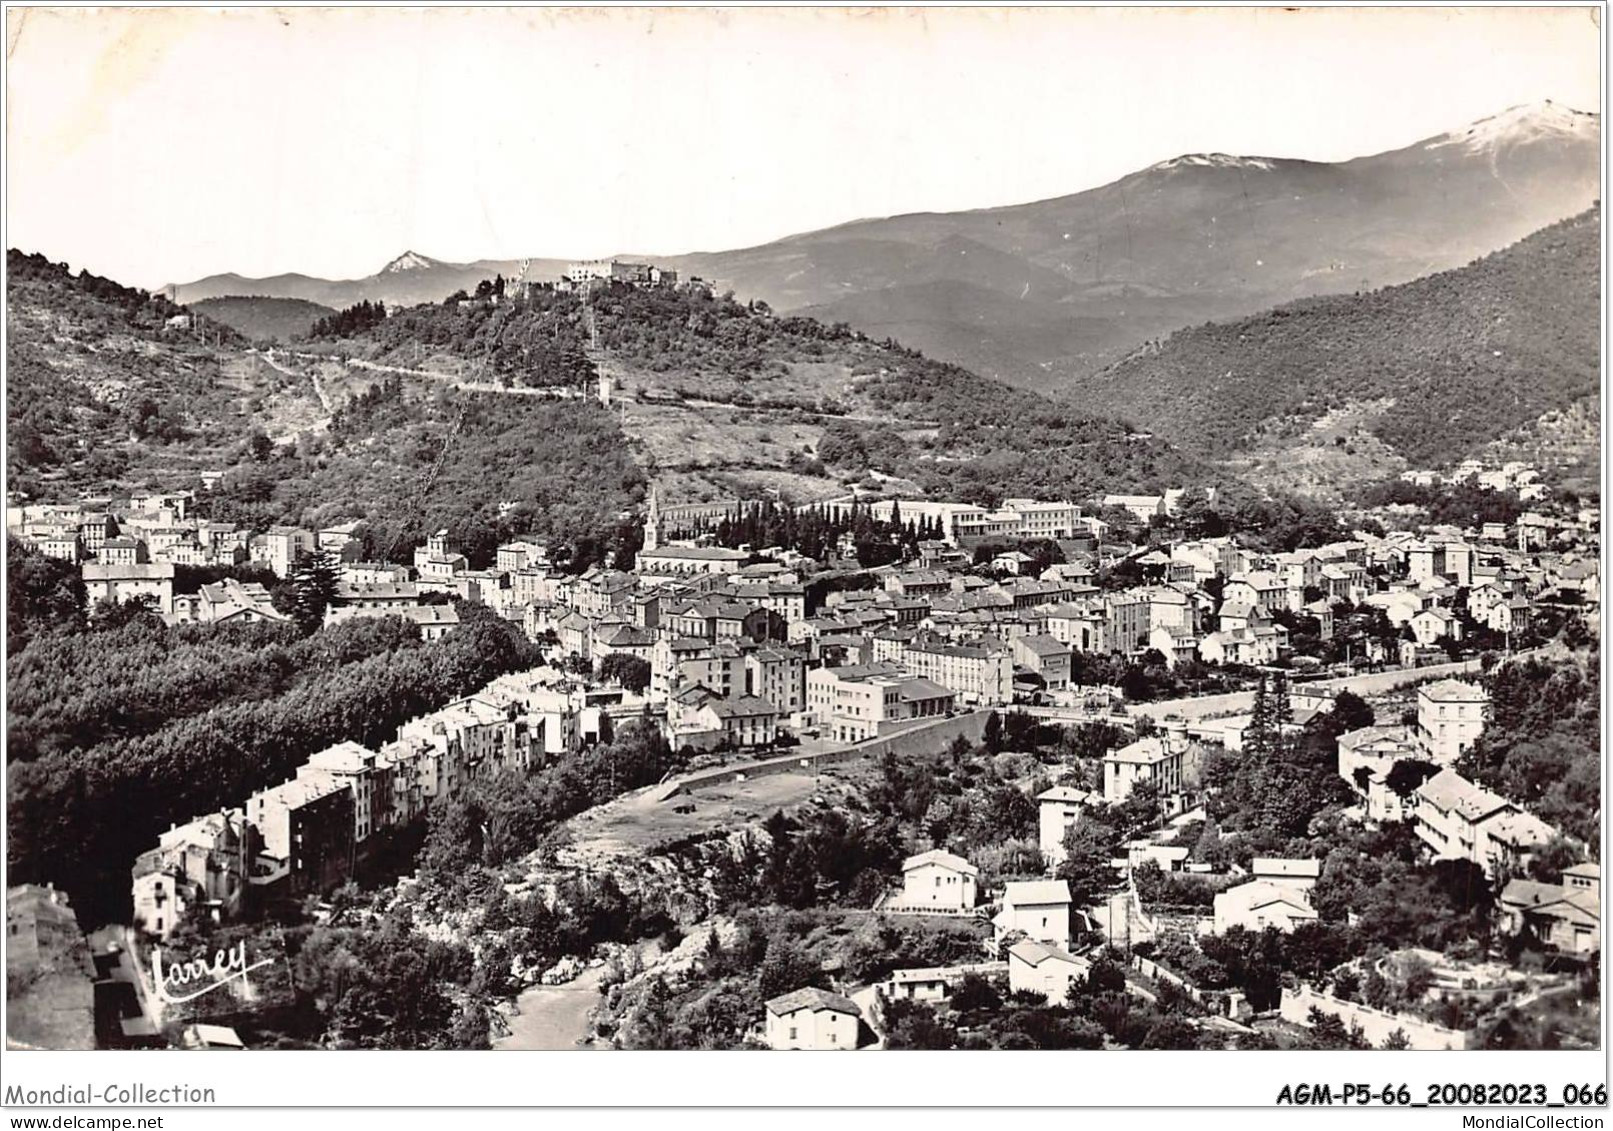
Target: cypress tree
x,y
313,582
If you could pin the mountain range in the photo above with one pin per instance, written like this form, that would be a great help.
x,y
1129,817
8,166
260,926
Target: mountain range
x,y
409,279
1044,293
1326,391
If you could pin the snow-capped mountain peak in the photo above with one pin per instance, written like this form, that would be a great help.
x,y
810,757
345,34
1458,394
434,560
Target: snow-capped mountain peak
x,y
1521,125
408,261
1215,161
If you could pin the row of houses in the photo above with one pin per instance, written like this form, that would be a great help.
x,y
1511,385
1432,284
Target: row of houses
x,y
1455,818
312,832
1031,932
162,527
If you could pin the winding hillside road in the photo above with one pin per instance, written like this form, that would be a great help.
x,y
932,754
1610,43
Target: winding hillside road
x,y
458,382
319,390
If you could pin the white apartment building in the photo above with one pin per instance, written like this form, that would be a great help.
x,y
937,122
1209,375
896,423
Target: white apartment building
x,y
979,673
854,703
811,1019
1059,809
779,676
1459,820
1158,759
938,880
1450,718
1016,518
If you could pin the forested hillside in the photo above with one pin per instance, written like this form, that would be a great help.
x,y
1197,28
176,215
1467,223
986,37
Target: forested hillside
x,y
98,381
118,728
263,319
886,408
1441,366
105,395
485,467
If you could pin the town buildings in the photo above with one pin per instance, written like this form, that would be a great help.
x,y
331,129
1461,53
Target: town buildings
x,y
1045,657
1159,760
1367,757
234,602
856,702
115,584
1567,915
980,672
1256,905
673,562
306,829
198,868
589,272
740,660
1458,820
1015,519
309,834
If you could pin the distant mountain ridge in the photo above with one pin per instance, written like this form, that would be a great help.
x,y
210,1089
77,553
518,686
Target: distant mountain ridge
x,y
1433,370
407,280
411,261
1044,292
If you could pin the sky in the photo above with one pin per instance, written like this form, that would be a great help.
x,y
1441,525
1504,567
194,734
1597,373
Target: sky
x,y
161,145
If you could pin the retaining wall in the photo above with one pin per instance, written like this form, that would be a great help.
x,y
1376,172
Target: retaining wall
x,y
1376,1024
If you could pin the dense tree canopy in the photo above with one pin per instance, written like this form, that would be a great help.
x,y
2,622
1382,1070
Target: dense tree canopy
x,y
79,815
1542,745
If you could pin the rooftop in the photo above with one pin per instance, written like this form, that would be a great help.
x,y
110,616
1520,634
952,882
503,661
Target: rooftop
x,y
943,858
109,571
1450,791
300,791
1035,953
1371,735
348,757
1529,893
746,706
1145,751
1259,893
814,999
1286,867
1027,893
696,553
1521,830
1043,645
1453,691
917,687
1067,793
428,614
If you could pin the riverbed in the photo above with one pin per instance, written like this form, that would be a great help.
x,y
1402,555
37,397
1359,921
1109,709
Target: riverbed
x,y
554,1018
